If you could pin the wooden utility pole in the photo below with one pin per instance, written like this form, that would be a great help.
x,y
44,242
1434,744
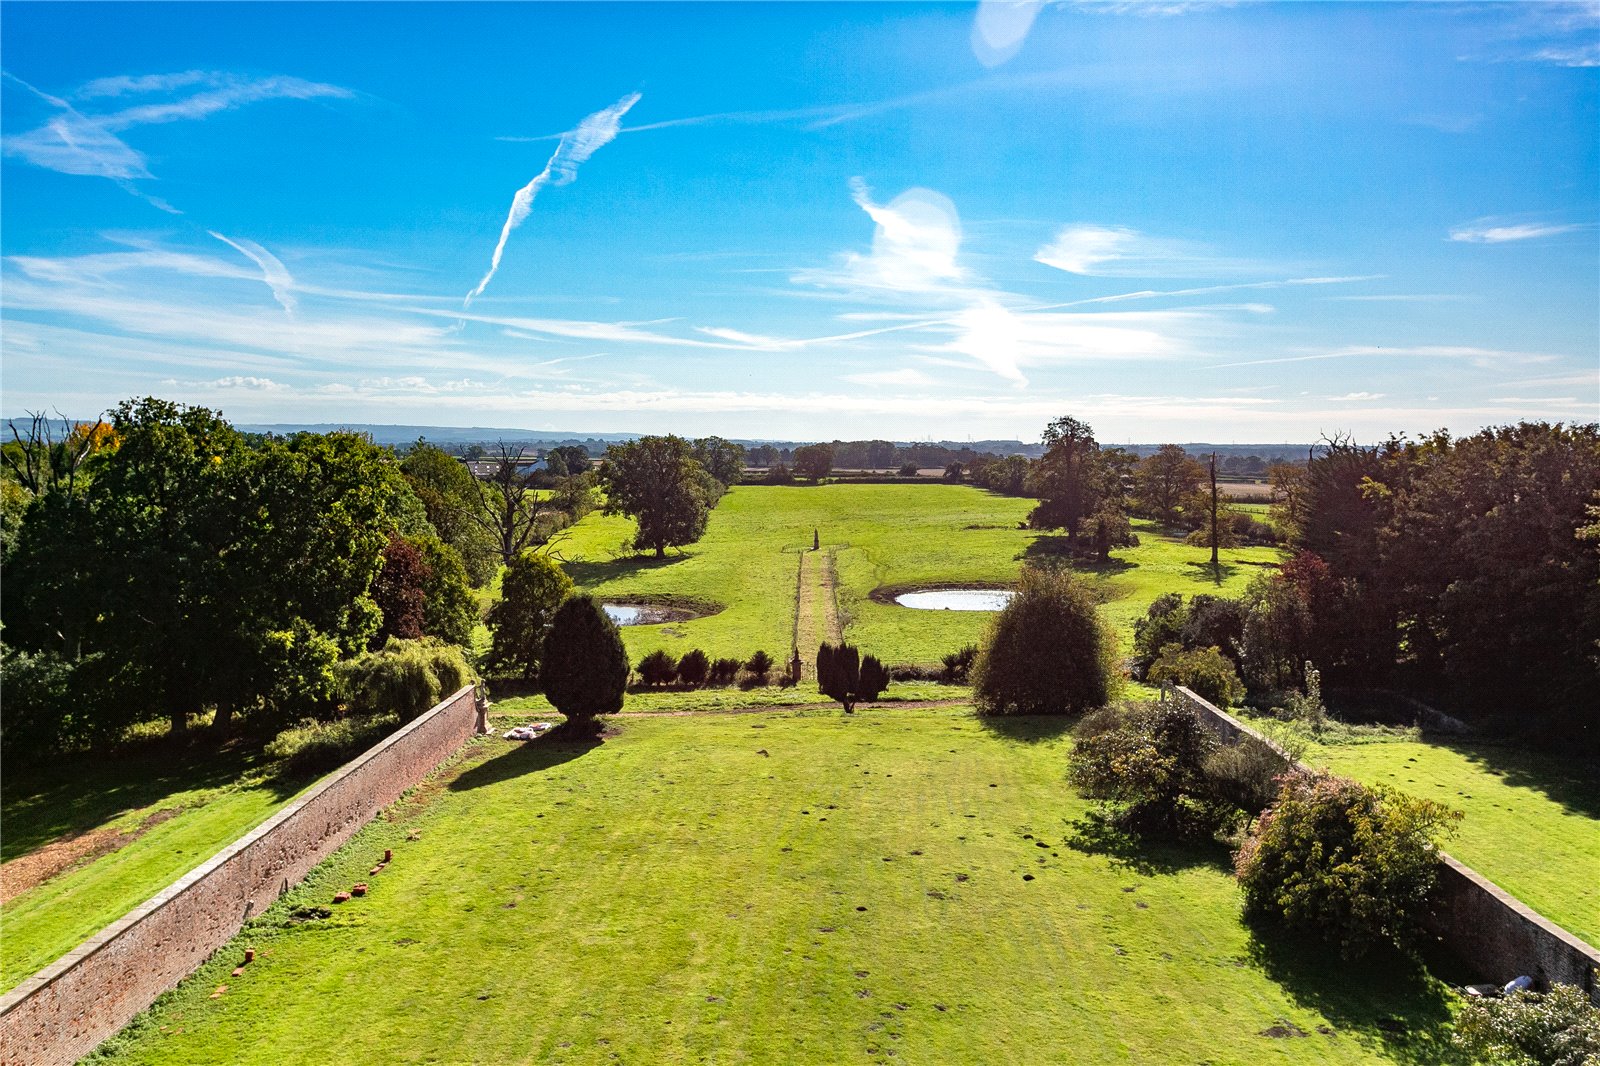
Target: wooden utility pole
x,y
1214,563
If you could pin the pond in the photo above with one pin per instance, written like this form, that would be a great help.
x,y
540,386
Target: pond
x,y
956,599
633,614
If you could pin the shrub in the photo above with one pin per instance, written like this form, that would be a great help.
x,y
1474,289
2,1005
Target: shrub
x,y
693,668
1307,707
760,664
874,678
1342,861
1214,622
40,713
533,588
724,671
1245,774
585,669
403,678
320,746
908,469
958,665
1555,1028
1161,625
1205,671
1047,652
658,668
1150,758
914,672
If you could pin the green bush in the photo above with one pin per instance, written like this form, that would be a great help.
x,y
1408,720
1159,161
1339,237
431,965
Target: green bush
x,y
1047,652
1555,1028
1161,625
958,665
873,680
1205,671
320,746
658,668
693,668
403,678
760,664
724,671
1245,774
39,713
839,673
585,670
1150,759
1342,861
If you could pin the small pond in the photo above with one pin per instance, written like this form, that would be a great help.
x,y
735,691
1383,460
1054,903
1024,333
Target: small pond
x,y
956,599
642,614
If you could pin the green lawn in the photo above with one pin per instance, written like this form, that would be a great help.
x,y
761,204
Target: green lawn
x,y
179,809
1531,822
885,536
793,887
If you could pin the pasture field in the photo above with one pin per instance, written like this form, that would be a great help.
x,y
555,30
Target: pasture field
x,y
882,538
88,839
903,885
1531,822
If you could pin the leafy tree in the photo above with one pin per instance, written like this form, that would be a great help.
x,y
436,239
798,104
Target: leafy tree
x,y
722,459
1161,625
1277,637
908,469
403,677
449,610
1150,758
1214,622
1165,482
1205,671
1048,651
1111,529
533,589
1350,863
398,592
813,461
567,460
585,671
449,494
1560,1027
1070,480
656,481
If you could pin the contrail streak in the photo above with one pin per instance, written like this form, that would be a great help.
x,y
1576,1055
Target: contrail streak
x,y
273,272
597,130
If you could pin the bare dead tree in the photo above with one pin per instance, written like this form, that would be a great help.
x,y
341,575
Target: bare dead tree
x,y
508,503
40,461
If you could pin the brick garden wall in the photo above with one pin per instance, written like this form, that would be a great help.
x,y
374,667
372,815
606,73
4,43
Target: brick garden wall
x,y
1496,934
63,1012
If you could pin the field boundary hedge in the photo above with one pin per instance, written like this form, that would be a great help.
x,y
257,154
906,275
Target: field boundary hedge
x,y
63,1012
1487,927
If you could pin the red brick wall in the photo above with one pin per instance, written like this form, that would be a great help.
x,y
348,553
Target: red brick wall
x,y
63,1012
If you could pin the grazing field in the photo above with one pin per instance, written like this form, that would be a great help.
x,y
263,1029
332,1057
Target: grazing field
x,y
883,538
1531,822
86,840
901,885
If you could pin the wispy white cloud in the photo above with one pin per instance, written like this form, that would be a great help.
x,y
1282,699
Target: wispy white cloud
x,y
73,142
592,134
1000,28
1117,251
906,377
1478,356
1581,55
1487,231
1355,396
273,272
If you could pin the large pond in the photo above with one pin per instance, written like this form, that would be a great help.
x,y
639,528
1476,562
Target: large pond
x,y
956,599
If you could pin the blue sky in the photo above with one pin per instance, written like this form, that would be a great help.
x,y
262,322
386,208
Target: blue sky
x,y
1179,221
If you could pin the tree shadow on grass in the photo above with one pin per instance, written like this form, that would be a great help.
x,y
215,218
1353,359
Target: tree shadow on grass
x,y
1027,728
1573,782
587,573
529,757
1055,551
1216,574
1385,1000
1094,834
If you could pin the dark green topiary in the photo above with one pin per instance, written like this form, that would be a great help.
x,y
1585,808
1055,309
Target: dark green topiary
x,y
693,668
839,673
585,669
658,668
874,678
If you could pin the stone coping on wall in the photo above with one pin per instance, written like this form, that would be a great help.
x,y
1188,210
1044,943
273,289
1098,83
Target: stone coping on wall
x,y
1481,922
245,873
